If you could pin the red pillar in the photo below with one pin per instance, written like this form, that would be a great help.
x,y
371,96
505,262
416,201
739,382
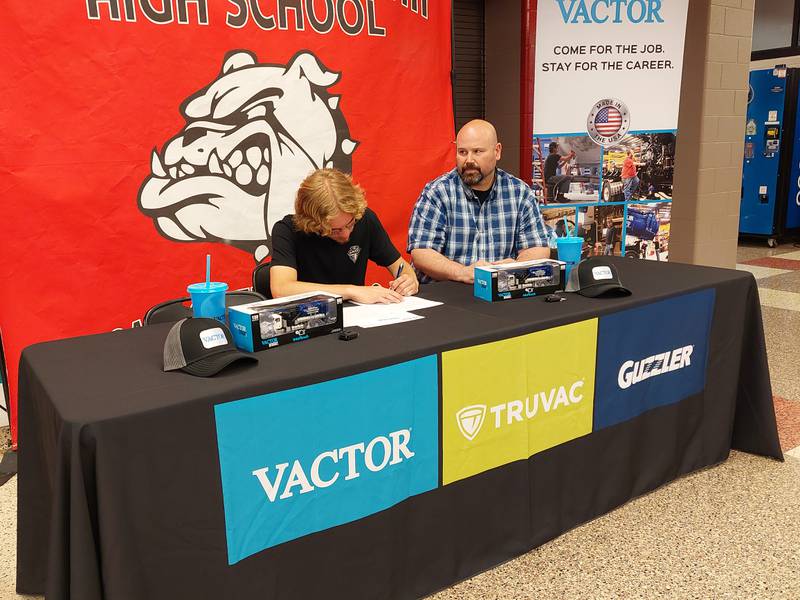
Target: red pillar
x,y
526,80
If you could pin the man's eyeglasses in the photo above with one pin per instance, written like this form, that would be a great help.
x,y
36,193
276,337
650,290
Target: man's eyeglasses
x,y
348,227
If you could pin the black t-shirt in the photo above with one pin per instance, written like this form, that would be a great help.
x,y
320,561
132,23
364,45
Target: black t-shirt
x,y
319,259
551,165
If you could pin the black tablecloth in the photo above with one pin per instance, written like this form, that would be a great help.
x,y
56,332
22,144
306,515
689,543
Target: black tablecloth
x,y
119,480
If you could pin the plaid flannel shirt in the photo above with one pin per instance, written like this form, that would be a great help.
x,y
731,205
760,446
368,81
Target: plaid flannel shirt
x,y
449,218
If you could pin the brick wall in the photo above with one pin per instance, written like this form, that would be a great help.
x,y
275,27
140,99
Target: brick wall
x,y
708,176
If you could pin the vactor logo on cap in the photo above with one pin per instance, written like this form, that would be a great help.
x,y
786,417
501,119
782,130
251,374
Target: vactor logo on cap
x,y
470,420
213,337
601,273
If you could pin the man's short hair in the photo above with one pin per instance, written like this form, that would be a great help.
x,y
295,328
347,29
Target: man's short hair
x,y
553,146
323,195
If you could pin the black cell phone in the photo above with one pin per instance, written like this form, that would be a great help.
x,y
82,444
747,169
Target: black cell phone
x,y
554,298
348,334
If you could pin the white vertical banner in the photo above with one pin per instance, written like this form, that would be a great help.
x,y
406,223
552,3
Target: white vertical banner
x,y
606,97
588,51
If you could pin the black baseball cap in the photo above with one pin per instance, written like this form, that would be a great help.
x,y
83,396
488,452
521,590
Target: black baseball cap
x,y
201,347
594,277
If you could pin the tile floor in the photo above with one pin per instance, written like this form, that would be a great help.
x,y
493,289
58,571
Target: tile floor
x,y
777,271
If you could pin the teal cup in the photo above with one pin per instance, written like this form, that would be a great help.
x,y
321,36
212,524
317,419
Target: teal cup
x,y
208,299
569,251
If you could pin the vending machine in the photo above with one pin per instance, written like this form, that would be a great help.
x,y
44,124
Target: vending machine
x,y
770,204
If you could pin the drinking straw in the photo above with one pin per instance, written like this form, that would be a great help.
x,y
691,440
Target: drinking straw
x,y
566,226
208,270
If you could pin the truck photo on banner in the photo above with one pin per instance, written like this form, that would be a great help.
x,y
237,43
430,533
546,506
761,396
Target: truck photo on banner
x,y
143,135
605,115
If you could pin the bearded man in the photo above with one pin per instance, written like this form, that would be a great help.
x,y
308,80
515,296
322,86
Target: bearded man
x,y
475,214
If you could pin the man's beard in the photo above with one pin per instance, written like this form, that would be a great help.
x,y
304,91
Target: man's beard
x,y
473,177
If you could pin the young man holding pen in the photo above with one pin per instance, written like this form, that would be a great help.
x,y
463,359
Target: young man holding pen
x,y
325,245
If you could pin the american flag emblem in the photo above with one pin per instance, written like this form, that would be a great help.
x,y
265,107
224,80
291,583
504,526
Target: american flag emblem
x,y
608,121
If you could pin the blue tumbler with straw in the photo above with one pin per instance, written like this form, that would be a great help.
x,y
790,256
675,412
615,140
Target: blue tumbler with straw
x,y
208,298
569,248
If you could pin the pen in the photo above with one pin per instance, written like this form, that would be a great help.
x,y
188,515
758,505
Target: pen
x,y
396,277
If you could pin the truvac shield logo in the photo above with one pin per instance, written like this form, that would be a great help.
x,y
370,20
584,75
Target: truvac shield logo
x,y
470,420
250,138
608,121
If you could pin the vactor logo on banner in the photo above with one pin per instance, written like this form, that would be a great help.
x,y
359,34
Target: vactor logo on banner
x,y
507,400
307,459
651,356
250,138
610,11
393,449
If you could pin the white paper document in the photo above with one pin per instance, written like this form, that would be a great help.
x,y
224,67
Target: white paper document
x,y
376,315
409,303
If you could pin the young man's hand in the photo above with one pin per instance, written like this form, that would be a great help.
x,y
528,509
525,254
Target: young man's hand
x,y
375,295
406,284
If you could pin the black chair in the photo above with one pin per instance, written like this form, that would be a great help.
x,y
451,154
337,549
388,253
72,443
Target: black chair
x,y
180,308
237,297
261,280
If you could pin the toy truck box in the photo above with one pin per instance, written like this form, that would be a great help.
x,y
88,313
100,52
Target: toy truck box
x,y
519,279
269,323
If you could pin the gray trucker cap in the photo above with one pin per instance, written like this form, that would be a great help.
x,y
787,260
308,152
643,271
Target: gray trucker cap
x,y
201,347
596,277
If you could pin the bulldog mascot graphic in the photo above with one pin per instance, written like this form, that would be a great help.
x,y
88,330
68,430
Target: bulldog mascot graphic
x,y
250,138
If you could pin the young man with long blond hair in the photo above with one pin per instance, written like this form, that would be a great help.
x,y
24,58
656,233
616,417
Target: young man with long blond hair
x,y
326,244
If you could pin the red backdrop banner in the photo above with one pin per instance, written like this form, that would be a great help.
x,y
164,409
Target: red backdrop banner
x,y
142,134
